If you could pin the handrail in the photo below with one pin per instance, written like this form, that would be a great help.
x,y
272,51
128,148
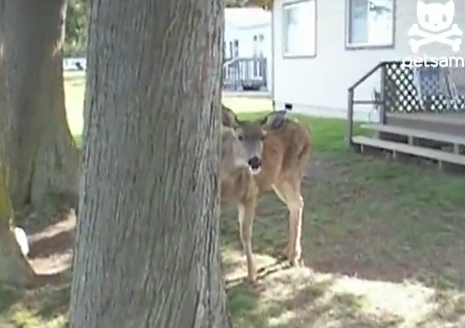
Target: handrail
x,y
384,65
237,59
351,101
248,72
366,76
230,62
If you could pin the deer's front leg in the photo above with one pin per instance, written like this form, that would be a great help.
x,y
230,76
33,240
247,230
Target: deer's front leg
x,y
246,215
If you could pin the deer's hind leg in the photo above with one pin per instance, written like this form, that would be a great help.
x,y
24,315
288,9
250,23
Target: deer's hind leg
x,y
289,192
246,215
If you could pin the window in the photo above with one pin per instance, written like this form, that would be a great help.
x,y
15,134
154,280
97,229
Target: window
x,y
299,29
370,23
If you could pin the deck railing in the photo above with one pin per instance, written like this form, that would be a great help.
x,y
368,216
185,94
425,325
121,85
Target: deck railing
x,y
351,102
408,89
245,73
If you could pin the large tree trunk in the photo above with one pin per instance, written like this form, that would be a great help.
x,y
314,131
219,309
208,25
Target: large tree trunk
x,y
2,75
14,268
147,236
42,154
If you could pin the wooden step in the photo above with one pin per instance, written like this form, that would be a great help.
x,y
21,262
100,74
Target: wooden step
x,y
456,118
416,133
438,155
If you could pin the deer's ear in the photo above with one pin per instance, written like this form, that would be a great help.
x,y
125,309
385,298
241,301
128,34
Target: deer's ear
x,y
274,120
228,117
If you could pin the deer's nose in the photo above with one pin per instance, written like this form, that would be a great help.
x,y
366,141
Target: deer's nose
x,y
255,162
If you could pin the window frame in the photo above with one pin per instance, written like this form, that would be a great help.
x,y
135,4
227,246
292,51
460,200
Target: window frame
x,y
367,45
284,30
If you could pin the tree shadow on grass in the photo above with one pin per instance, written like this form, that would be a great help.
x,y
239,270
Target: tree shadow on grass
x,y
54,302
46,305
340,310
8,297
448,311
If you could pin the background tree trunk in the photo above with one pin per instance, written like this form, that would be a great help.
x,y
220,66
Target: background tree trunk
x,y
3,114
42,154
147,236
2,76
14,268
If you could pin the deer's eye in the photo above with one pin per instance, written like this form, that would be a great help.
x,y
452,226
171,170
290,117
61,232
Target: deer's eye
x,y
240,137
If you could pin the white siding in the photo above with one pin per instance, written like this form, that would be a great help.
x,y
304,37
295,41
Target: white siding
x,y
318,86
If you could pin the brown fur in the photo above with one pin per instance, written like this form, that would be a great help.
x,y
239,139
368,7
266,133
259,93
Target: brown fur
x,y
282,149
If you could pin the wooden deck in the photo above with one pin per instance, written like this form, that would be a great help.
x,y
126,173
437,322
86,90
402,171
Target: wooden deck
x,y
414,134
397,147
450,123
435,136
431,117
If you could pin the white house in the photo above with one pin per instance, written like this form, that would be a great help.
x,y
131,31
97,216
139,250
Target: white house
x,y
248,34
322,47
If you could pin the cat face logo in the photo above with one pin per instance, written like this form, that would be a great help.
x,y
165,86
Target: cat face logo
x,y
435,25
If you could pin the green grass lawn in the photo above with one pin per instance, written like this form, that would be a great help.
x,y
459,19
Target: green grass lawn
x,y
383,244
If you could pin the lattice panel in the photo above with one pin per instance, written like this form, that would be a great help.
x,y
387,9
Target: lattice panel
x,y
401,92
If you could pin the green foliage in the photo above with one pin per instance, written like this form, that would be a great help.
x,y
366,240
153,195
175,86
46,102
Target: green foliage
x,y
76,28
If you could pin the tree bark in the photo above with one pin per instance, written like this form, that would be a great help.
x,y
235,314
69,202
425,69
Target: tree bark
x,y
147,235
14,268
3,116
42,154
2,76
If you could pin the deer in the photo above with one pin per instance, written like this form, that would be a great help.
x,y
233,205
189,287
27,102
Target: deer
x,y
261,155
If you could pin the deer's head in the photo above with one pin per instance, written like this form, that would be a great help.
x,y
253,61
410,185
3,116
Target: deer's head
x,y
250,135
